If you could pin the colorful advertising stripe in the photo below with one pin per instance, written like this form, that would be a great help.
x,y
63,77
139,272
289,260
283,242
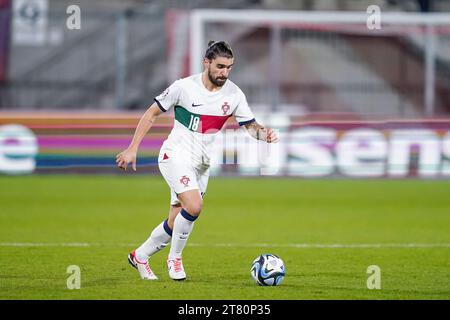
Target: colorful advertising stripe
x,y
88,143
73,142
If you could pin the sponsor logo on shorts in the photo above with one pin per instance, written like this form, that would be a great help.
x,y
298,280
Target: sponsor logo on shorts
x,y
185,180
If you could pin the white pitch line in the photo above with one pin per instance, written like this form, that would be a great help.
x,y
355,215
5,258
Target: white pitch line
x,y
331,245
238,245
43,244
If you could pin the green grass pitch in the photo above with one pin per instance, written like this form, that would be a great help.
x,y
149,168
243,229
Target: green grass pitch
x,y
318,227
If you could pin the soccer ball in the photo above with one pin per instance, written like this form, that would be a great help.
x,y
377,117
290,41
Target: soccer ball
x,y
268,270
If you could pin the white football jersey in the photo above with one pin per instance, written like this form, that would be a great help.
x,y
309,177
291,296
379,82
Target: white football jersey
x,y
199,115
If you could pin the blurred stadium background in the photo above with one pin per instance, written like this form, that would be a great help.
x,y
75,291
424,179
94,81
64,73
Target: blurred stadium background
x,y
350,100
315,70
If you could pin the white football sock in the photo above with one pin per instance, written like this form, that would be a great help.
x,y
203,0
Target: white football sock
x,y
182,227
158,240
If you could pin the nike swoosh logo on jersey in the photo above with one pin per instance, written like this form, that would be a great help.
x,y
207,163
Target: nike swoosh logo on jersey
x,y
196,105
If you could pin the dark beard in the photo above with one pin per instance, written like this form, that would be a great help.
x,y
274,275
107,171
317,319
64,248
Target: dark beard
x,y
216,82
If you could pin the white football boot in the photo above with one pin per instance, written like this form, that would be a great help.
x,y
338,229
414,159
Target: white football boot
x,y
144,269
176,270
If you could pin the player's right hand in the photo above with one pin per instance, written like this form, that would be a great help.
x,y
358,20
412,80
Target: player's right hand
x,y
125,157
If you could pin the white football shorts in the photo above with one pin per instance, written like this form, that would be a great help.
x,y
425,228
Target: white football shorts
x,y
181,175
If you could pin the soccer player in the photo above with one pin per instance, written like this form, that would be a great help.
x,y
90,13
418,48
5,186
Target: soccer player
x,y
202,104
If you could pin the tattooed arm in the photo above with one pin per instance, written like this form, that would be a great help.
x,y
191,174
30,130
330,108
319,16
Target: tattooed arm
x,y
258,132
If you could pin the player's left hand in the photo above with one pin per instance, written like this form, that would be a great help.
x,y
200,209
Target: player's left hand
x,y
271,136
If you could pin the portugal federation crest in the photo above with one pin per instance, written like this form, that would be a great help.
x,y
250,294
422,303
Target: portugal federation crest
x,y
185,180
225,108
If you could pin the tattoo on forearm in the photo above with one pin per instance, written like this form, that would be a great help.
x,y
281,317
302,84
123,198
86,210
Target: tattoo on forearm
x,y
254,129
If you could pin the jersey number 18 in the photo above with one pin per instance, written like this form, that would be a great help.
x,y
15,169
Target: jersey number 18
x,y
194,122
